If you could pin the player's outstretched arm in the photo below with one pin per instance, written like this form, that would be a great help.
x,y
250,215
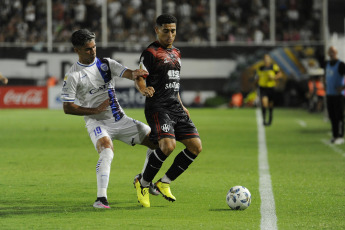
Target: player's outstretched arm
x,y
134,74
140,84
73,109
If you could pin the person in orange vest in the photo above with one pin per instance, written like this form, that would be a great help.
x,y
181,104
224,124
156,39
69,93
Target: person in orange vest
x,y
51,81
236,100
316,94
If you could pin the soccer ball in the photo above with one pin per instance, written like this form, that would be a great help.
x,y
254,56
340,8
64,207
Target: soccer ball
x,y
238,198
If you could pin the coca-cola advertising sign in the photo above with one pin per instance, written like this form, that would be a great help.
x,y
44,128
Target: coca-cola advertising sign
x,y
23,97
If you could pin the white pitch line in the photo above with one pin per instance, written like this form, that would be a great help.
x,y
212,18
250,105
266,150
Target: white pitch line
x,y
302,123
267,209
333,147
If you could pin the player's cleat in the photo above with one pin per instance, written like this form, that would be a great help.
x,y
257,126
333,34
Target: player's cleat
x,y
101,202
152,187
339,141
142,194
164,189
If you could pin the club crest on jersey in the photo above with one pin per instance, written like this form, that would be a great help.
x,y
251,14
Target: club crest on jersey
x,y
165,128
104,67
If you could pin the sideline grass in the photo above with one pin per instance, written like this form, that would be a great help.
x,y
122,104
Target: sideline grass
x,y
48,180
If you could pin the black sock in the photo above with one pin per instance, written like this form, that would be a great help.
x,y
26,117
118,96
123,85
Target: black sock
x,y
154,164
181,163
270,115
263,109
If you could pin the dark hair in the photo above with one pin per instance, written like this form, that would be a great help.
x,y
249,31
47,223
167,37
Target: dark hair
x,y
165,19
81,37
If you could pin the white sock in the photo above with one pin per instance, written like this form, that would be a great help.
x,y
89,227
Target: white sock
x,y
103,171
166,179
148,153
143,182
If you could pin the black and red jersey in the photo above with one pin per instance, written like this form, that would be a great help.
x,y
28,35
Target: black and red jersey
x,y
163,65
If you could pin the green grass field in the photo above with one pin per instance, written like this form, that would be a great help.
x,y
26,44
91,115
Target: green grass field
x,y
48,179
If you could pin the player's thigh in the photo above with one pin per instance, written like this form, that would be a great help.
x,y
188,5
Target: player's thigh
x,y
161,125
187,134
271,95
264,101
132,131
185,128
99,136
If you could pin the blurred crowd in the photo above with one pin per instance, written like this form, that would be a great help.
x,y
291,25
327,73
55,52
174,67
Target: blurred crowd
x,y
133,20
248,20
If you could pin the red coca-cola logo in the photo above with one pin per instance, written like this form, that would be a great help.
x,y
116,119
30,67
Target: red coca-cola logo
x,y
22,97
30,97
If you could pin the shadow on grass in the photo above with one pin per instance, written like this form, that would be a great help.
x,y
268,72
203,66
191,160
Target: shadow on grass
x,y
221,210
314,131
11,208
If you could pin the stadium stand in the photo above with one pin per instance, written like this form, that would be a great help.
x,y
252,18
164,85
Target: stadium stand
x,y
129,20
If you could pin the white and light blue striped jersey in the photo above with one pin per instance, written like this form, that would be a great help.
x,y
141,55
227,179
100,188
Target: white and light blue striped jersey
x,y
84,85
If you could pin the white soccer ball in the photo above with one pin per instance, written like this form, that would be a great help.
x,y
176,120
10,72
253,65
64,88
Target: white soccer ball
x,y
238,198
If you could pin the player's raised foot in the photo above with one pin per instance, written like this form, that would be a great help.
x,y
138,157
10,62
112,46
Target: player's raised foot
x,y
152,187
101,202
164,189
142,194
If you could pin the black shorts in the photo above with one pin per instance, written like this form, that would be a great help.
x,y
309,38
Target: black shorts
x,y
166,125
267,92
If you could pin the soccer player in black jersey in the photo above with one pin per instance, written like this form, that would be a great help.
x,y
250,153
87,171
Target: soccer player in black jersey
x,y
168,118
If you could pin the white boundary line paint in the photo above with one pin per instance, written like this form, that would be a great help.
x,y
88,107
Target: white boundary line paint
x,y
333,147
267,209
302,123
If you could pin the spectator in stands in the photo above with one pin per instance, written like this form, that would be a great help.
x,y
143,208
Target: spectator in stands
x,y
236,20
30,14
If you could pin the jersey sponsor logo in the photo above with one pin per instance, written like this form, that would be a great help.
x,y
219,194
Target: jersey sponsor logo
x,y
174,74
173,85
165,128
101,88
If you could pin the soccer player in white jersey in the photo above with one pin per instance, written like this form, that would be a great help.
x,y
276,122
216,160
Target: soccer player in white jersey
x,y
88,90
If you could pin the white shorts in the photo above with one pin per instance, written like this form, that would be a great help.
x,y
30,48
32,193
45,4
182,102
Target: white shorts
x,y
127,130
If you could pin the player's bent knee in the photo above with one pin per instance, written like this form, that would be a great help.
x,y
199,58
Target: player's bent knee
x,y
196,149
167,150
103,143
167,146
